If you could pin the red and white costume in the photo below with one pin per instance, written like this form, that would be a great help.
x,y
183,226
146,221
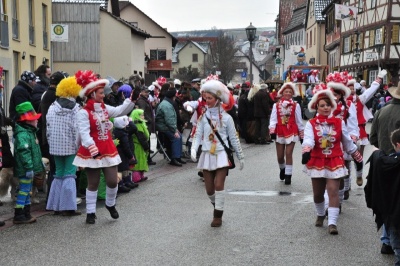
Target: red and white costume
x,y
326,136
286,121
95,128
363,114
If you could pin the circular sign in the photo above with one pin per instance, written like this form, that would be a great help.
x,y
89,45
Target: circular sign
x,y
58,30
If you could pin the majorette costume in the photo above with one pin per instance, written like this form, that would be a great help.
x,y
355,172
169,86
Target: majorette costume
x,y
213,156
286,122
324,138
285,119
97,148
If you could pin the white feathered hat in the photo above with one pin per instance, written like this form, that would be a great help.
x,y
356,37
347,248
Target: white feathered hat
x,y
217,88
319,94
288,85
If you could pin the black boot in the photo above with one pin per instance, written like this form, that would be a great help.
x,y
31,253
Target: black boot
x,y
282,174
20,218
91,218
288,179
2,223
122,188
128,182
27,210
217,221
113,212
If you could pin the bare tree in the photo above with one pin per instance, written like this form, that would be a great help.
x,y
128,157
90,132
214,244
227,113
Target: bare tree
x,y
222,58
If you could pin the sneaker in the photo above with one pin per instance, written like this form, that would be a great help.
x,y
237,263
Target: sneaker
x,y
113,212
91,218
332,229
78,201
387,249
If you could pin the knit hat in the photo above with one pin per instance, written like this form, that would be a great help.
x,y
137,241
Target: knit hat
x,y
126,90
288,85
121,122
337,81
28,76
68,87
88,80
320,92
57,76
26,112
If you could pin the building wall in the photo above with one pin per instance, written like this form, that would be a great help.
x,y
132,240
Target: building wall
x,y
161,39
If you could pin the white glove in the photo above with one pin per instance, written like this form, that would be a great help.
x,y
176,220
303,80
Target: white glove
x,y
193,155
241,164
382,73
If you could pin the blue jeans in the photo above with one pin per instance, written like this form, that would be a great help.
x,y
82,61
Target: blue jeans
x,y
385,237
394,235
176,144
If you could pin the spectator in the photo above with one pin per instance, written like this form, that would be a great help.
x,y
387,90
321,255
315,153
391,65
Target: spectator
x,y
43,73
166,123
22,92
194,91
111,92
262,103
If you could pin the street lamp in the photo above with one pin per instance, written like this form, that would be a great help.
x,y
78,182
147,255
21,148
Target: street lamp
x,y
251,36
379,48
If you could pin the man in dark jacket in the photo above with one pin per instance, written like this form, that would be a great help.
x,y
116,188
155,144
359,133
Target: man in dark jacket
x,y
22,92
166,123
262,103
43,73
242,110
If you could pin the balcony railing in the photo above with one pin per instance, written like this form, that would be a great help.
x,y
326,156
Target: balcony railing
x,y
159,65
15,28
31,34
45,40
4,41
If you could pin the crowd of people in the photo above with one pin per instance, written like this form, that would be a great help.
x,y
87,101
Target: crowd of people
x,y
95,132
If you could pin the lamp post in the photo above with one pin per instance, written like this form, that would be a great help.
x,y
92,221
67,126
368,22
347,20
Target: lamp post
x,y
379,48
357,50
251,36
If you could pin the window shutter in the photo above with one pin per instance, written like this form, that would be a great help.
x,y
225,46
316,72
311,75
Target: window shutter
x,y
365,74
361,46
371,38
383,34
395,33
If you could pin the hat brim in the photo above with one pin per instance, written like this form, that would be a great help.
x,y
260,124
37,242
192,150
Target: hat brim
x,y
320,95
30,118
93,86
395,92
344,90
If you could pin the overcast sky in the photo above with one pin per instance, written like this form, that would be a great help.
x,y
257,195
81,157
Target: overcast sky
x,y
184,15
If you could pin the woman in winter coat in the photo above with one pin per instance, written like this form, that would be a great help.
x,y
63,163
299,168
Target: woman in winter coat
x,y
62,134
141,143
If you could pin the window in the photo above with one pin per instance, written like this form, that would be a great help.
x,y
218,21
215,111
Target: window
x,y
311,9
3,24
158,54
395,33
346,45
373,5
360,5
31,22
16,64
45,24
311,38
195,57
372,76
307,40
32,61
315,35
15,22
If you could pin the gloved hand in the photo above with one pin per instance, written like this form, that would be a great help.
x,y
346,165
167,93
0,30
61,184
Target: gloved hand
x,y
359,166
93,150
241,162
132,161
193,155
29,174
301,141
382,73
273,136
305,157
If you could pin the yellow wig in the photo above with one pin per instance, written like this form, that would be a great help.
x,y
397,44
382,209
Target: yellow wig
x,y
68,87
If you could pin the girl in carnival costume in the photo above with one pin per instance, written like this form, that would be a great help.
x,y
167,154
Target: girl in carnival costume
x,y
62,133
97,151
213,159
363,113
323,155
345,110
286,127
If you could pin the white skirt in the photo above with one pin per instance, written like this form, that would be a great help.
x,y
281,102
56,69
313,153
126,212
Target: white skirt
x,y
287,141
325,173
211,162
104,162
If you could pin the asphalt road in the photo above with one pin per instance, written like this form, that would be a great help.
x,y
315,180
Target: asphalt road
x,y
166,221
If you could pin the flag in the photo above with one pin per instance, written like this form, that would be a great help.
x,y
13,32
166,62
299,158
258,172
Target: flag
x,y
343,12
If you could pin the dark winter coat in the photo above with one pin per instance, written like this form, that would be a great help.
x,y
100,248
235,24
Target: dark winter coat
x,y
262,103
125,147
145,105
7,156
38,89
48,99
166,116
27,153
382,191
21,93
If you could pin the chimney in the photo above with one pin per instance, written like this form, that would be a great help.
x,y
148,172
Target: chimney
x,y
115,8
